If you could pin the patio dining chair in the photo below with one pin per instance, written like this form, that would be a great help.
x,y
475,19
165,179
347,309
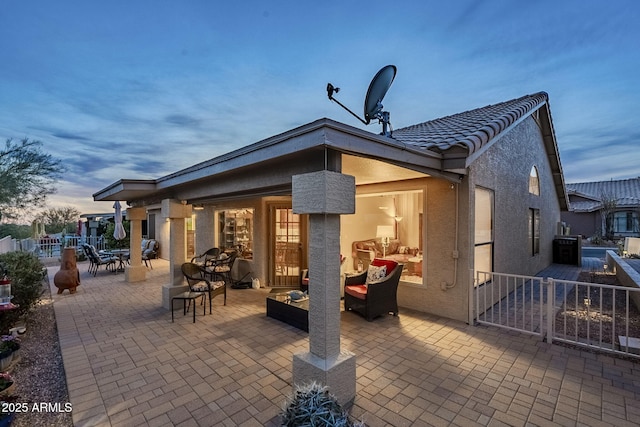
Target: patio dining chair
x,y
149,252
96,260
221,270
207,259
197,282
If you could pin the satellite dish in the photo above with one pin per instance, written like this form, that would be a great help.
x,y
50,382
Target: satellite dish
x,y
373,101
377,90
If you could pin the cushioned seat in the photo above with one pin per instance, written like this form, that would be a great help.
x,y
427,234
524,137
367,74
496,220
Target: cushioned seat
x,y
358,291
197,282
373,293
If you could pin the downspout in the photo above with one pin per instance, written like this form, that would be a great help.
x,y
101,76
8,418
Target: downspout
x,y
455,253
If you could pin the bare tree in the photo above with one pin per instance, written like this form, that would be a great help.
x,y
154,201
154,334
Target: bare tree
x,y
27,176
609,205
60,219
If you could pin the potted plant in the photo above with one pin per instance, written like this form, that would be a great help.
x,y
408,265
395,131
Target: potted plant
x,y
313,405
10,343
6,384
6,357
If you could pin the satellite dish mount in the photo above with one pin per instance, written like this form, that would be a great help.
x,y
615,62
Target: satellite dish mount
x,y
373,101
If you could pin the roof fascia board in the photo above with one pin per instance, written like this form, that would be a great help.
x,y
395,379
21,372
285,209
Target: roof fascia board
x,y
389,150
584,195
122,185
321,133
245,157
275,173
549,139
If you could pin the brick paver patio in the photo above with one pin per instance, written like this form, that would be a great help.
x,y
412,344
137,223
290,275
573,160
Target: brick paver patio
x,y
128,365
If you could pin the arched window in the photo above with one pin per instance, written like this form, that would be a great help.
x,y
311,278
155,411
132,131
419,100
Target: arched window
x,y
534,181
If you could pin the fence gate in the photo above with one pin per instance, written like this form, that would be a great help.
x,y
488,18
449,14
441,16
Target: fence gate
x,y
593,315
511,301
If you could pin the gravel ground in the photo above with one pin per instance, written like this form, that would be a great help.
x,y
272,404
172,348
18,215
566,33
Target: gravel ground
x,y
39,375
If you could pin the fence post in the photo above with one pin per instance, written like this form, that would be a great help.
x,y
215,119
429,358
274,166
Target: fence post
x,y
551,303
471,297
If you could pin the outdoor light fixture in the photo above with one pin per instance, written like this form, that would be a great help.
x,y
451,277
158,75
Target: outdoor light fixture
x,y
385,232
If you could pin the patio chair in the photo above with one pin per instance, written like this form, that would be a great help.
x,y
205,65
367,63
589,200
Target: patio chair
x,y
221,270
373,296
96,260
86,251
149,252
207,259
197,282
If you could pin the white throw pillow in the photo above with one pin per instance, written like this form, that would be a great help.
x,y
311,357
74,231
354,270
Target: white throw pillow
x,y
375,274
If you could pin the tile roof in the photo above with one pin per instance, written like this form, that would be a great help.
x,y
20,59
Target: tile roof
x,y
626,192
470,129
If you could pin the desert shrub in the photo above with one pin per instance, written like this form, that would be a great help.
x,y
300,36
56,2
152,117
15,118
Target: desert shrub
x,y
596,239
313,405
112,243
25,271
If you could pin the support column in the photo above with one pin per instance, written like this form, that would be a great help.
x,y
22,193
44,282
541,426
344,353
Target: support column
x,y
205,229
135,272
176,212
324,196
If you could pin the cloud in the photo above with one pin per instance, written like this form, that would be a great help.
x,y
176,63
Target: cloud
x,y
182,120
71,136
134,95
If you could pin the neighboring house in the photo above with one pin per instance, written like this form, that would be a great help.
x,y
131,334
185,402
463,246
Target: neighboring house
x,y
588,199
480,190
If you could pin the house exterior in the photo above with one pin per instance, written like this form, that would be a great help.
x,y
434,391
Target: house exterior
x,y
462,185
587,201
481,190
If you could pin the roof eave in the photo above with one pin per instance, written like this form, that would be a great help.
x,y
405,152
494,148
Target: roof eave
x,y
322,133
125,189
551,145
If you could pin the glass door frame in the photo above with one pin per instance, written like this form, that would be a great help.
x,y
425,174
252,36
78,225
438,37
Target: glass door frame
x,y
275,218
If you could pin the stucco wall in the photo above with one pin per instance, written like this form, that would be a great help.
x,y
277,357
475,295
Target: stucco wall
x,y
206,234
504,168
445,291
584,223
626,274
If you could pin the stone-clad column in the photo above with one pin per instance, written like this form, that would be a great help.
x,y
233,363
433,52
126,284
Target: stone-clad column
x,y
176,212
205,229
324,196
135,272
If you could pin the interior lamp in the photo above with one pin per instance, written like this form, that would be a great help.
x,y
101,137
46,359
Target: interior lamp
x,y
385,232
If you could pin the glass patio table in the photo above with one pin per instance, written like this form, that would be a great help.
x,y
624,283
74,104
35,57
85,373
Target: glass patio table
x,y
281,307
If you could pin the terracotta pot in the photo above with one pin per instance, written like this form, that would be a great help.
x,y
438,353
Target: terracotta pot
x,y
68,277
5,361
9,390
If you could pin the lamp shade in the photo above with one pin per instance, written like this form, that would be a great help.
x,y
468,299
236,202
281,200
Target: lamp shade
x,y
385,231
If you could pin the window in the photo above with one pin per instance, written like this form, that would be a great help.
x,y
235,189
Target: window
x,y
625,222
534,181
483,251
235,228
534,231
401,212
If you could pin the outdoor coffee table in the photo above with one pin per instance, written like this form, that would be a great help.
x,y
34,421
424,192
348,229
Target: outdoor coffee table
x,y
280,307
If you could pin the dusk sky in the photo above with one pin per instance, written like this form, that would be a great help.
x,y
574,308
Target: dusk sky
x,y
140,89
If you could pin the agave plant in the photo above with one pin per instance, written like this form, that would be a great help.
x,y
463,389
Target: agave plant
x,y
313,405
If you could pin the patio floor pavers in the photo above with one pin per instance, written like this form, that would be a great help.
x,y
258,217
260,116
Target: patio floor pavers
x,y
127,365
